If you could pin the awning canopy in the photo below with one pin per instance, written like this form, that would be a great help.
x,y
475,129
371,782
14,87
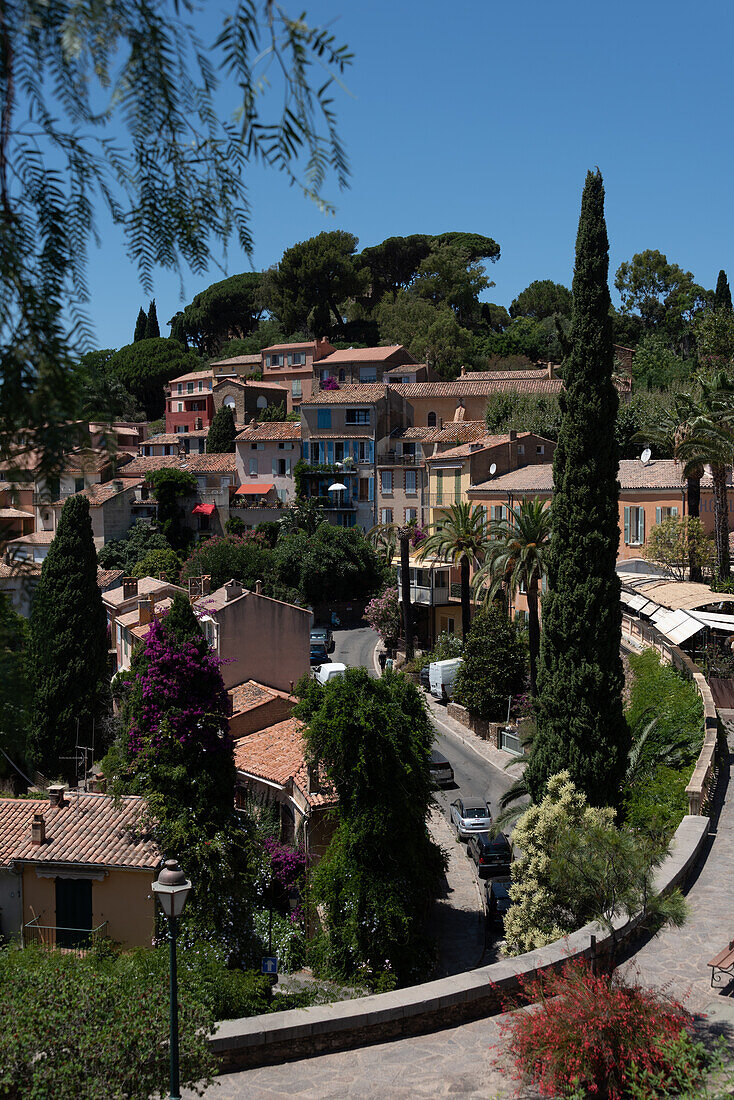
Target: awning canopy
x,y
252,489
202,510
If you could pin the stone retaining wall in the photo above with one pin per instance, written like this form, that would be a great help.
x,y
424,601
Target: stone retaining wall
x,y
301,1032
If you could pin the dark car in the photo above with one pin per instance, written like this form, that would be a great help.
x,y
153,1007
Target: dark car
x,y
440,769
319,653
321,635
425,677
492,855
497,894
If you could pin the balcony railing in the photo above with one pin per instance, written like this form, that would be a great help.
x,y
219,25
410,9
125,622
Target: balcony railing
x,y
67,939
392,458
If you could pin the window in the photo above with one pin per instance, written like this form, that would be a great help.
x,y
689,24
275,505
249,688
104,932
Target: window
x,y
268,360
342,375
411,482
298,358
634,526
282,467
357,416
324,374
275,360
200,484
253,466
78,484
386,515
189,387
368,374
201,384
665,513
409,449
411,514
441,578
180,429
497,512
521,448
439,486
431,420
364,488
253,446
180,387
323,419
225,482
450,626
296,388
386,483
540,449
179,406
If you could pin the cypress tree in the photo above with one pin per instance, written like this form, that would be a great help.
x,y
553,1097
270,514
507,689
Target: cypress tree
x,y
722,294
68,645
580,723
222,432
152,329
141,326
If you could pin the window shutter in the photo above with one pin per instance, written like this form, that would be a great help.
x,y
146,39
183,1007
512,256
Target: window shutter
x,y
288,467
330,452
275,467
305,450
641,525
371,489
627,525
674,510
658,515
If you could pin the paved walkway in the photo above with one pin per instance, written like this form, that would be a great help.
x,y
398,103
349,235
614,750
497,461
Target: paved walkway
x,y
457,922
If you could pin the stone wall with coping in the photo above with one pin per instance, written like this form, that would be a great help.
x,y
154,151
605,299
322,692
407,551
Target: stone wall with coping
x,y
447,1002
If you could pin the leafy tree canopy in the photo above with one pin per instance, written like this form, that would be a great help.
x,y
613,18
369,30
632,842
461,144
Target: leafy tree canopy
x,y
170,486
15,693
144,367
229,309
494,664
141,326
542,299
313,280
125,553
246,560
449,278
430,333
332,564
656,365
393,264
474,245
722,294
157,563
102,396
662,294
222,432
152,328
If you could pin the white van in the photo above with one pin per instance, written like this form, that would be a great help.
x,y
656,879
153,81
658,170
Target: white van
x,y
330,671
441,677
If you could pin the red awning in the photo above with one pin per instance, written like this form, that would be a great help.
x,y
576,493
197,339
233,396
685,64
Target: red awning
x,y
202,510
252,489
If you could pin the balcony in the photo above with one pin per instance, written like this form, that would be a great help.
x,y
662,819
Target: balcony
x,y
392,458
220,497
66,939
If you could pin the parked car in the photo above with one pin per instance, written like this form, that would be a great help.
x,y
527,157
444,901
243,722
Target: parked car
x,y
318,653
330,671
442,676
440,769
321,635
468,816
497,897
492,855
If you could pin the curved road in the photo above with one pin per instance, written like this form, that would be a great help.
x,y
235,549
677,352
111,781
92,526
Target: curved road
x,y
475,776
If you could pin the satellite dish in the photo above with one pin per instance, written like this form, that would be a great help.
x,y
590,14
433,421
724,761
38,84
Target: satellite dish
x,y
646,456
493,469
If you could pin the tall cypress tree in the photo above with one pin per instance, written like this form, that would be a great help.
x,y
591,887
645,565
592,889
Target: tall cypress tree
x,y
722,294
152,328
68,646
581,725
222,431
141,326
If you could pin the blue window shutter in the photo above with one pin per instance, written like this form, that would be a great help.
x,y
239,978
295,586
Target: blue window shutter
x,y
330,451
371,489
627,525
371,451
305,450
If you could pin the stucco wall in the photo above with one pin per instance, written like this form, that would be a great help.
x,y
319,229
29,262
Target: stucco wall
x,y
10,904
123,898
264,640
258,718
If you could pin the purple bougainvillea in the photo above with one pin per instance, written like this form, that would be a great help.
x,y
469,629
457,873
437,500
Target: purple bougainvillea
x,y
288,863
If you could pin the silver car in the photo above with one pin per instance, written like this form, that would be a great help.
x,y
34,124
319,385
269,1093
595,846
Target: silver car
x,y
469,816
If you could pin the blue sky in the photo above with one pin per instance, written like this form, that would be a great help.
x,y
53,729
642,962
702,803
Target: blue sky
x,y
485,116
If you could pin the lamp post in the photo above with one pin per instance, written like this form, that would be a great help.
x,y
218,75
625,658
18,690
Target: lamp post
x,y
172,888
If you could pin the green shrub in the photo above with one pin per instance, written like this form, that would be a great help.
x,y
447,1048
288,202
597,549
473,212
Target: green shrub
x,y
289,944
447,646
658,804
494,665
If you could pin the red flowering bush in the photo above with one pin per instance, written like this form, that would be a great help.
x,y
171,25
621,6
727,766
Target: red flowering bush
x,y
595,1035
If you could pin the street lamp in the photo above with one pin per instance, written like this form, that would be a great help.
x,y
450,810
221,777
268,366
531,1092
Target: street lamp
x,y
172,888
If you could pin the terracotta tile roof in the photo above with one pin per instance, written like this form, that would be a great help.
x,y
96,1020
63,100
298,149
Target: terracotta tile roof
x,y
277,755
419,433
459,431
365,355
661,473
406,368
291,347
211,463
530,375
146,586
36,538
468,387
89,461
19,568
249,695
97,495
272,429
237,361
366,394
266,386
15,513
143,464
106,577
192,376
89,829
465,449
142,630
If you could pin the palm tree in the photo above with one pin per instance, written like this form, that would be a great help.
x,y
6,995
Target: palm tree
x,y
459,537
385,536
515,559
710,441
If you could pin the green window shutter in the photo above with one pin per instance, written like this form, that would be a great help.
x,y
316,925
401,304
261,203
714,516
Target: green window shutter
x,y
674,510
627,525
658,515
641,526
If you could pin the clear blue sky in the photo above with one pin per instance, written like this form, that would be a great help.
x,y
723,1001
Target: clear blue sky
x,y
485,116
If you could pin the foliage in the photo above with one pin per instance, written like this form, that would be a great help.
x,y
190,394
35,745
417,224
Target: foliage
x,y
524,412
714,329
393,264
458,537
288,941
140,326
304,514
15,688
68,645
101,396
722,294
235,526
580,724
446,646
170,486
118,105
657,803
178,754
277,414
332,564
157,563
659,693
596,1035
126,552
104,1033
311,282
152,328
373,739
430,332
145,366
222,432
543,298
450,279
383,615
229,308
657,366
494,664
245,559
287,864
663,295
676,542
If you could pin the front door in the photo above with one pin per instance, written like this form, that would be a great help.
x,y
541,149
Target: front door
x,y
73,911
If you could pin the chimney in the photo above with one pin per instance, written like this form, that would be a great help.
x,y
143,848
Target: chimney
x,y
56,794
146,610
258,588
314,785
129,587
551,372
38,830
512,434
463,371
232,590
117,485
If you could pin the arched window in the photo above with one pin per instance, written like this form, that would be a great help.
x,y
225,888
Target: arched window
x,y
431,421
229,403
262,402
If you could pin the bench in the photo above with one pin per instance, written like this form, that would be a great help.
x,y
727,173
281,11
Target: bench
x,y
722,964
